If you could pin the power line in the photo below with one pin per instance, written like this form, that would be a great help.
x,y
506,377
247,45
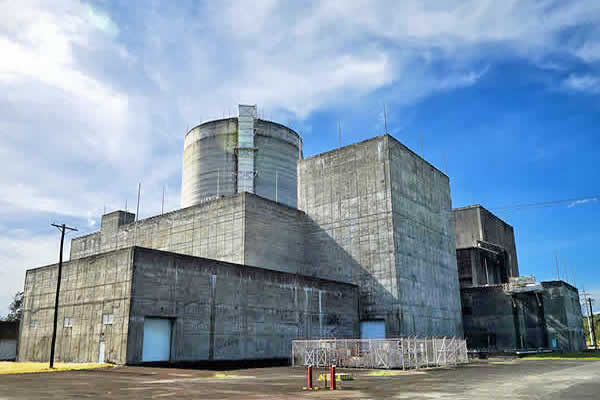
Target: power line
x,y
546,203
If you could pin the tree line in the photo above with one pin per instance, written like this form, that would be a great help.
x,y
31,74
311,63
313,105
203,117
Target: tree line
x,y
15,309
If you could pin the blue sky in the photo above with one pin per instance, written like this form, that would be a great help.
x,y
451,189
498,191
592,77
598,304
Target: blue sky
x,y
97,96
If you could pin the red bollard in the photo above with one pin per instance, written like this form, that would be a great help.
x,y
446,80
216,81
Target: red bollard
x,y
310,386
332,376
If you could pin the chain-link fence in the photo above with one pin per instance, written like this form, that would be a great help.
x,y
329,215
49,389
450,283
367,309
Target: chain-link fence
x,y
401,353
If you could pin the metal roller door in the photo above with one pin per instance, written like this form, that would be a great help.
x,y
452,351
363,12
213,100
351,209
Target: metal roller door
x,y
372,329
157,339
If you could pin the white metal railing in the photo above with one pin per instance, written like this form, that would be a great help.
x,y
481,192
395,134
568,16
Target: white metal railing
x,y
404,353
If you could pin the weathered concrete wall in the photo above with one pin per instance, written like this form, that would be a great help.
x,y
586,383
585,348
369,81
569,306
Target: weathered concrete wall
x,y
90,288
425,253
548,319
475,224
494,320
478,267
213,229
212,157
379,222
224,311
275,235
488,318
563,316
346,195
243,229
468,226
499,232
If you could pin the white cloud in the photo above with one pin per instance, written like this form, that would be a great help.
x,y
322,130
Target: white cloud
x,y
21,250
583,201
589,51
94,102
583,83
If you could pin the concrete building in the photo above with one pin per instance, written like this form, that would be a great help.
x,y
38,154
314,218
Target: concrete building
x,y
240,271
502,311
9,335
137,305
381,219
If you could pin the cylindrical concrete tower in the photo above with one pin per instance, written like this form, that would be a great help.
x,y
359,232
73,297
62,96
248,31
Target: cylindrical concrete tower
x,y
243,154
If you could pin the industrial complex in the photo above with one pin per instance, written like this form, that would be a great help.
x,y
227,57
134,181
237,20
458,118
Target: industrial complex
x,y
269,246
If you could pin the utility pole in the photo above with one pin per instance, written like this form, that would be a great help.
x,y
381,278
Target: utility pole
x,y
556,260
573,276
62,229
593,331
588,316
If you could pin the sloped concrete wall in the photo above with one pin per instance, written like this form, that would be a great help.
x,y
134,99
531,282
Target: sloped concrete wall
x,y
90,287
223,311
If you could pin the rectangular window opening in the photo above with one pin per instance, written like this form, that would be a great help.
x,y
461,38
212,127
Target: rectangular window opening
x,y
107,319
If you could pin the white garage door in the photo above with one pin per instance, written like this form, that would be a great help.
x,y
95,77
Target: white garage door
x,y
157,339
372,329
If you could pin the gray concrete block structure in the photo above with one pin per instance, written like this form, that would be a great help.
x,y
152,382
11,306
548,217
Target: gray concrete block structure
x,y
497,320
241,228
564,320
382,220
214,310
485,247
502,311
92,289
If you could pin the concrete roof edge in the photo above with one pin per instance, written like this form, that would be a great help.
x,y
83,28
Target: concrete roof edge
x,y
123,249
328,152
559,283
378,137
475,206
417,155
235,118
179,255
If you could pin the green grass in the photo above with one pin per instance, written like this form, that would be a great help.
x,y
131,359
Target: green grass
x,y
564,356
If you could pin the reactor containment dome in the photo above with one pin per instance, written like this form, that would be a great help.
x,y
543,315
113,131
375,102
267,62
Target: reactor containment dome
x,y
243,154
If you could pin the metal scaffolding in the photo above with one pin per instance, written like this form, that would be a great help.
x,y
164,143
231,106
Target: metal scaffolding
x,y
401,353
